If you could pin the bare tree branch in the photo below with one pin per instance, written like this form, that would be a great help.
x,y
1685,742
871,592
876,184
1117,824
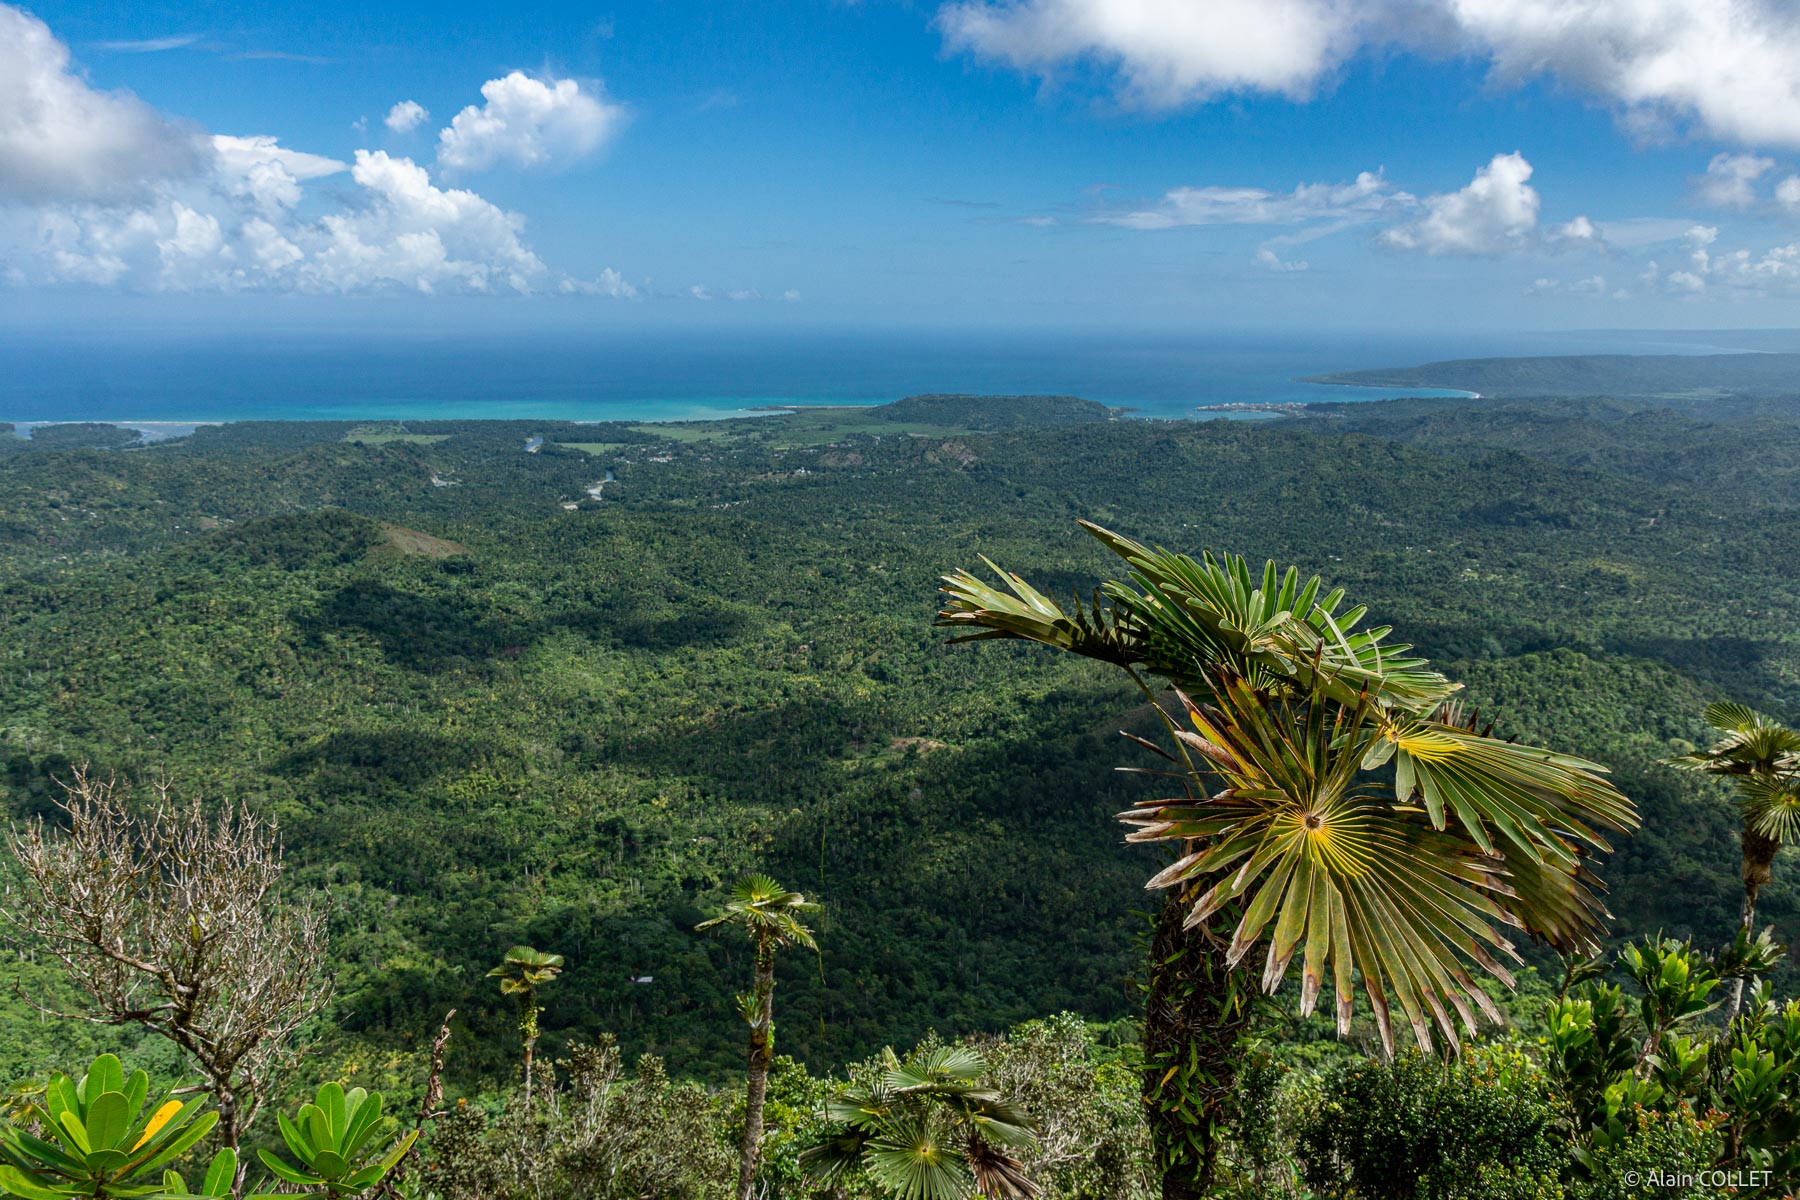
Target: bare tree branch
x,y
175,921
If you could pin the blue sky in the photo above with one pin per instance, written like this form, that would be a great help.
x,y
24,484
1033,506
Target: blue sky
x,y
1168,164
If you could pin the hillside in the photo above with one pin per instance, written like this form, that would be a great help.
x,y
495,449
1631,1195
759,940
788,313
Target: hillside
x,y
490,707
1671,375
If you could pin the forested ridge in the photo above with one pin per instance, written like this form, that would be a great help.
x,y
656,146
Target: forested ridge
x,y
1707,376
490,706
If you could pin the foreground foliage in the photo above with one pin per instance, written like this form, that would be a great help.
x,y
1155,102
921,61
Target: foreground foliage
x,y
174,919
103,1136
331,1139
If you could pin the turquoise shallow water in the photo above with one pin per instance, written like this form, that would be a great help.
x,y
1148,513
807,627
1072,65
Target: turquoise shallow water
x,y
674,375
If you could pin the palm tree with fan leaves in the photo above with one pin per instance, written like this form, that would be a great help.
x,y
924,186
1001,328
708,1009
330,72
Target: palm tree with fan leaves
x,y
927,1128
521,972
1762,757
1336,807
770,914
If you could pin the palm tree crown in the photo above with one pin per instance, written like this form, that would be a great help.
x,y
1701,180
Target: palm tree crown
x,y
767,912
1763,756
1338,805
524,970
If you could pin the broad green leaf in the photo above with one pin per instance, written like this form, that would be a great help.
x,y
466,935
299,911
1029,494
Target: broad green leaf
x,y
17,1183
107,1121
290,1174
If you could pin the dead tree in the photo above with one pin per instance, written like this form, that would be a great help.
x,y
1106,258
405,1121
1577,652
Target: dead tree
x,y
176,921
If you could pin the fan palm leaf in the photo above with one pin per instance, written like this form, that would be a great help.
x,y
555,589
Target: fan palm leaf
x,y
912,1161
1326,867
1771,807
928,1128
1749,744
1185,619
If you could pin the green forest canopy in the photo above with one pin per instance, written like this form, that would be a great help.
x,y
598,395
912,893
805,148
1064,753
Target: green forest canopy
x,y
491,706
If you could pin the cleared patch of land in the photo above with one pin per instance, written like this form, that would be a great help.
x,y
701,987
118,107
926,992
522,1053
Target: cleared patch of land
x,y
410,543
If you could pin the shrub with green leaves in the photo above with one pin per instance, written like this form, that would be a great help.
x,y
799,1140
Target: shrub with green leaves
x,y
1741,1084
604,1132
102,1139
331,1137
1092,1142
1423,1129
1675,1142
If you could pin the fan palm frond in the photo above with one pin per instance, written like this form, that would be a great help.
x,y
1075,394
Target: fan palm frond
x,y
912,1161
930,1127
1532,800
1351,877
1749,744
1184,620
767,911
998,1174
1771,806
523,969
1287,825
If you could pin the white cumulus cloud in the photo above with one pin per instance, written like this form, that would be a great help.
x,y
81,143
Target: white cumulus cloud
x,y
1495,214
1726,65
1787,193
107,192
1730,180
528,122
406,116
239,231
265,172
610,283
1774,271
415,234
62,140
1266,257
1577,231
1168,51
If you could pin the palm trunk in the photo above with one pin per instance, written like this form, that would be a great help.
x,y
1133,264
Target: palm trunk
x,y
1759,868
761,1055
1196,1013
528,1034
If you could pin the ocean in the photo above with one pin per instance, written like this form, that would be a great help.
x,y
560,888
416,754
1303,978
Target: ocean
x,y
696,374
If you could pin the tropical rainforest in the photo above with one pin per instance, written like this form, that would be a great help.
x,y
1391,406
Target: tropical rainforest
x,y
561,685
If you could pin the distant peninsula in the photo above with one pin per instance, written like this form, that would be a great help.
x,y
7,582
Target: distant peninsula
x,y
1647,375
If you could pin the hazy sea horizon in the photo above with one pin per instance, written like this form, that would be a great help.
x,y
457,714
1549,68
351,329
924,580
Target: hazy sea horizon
x,y
688,374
